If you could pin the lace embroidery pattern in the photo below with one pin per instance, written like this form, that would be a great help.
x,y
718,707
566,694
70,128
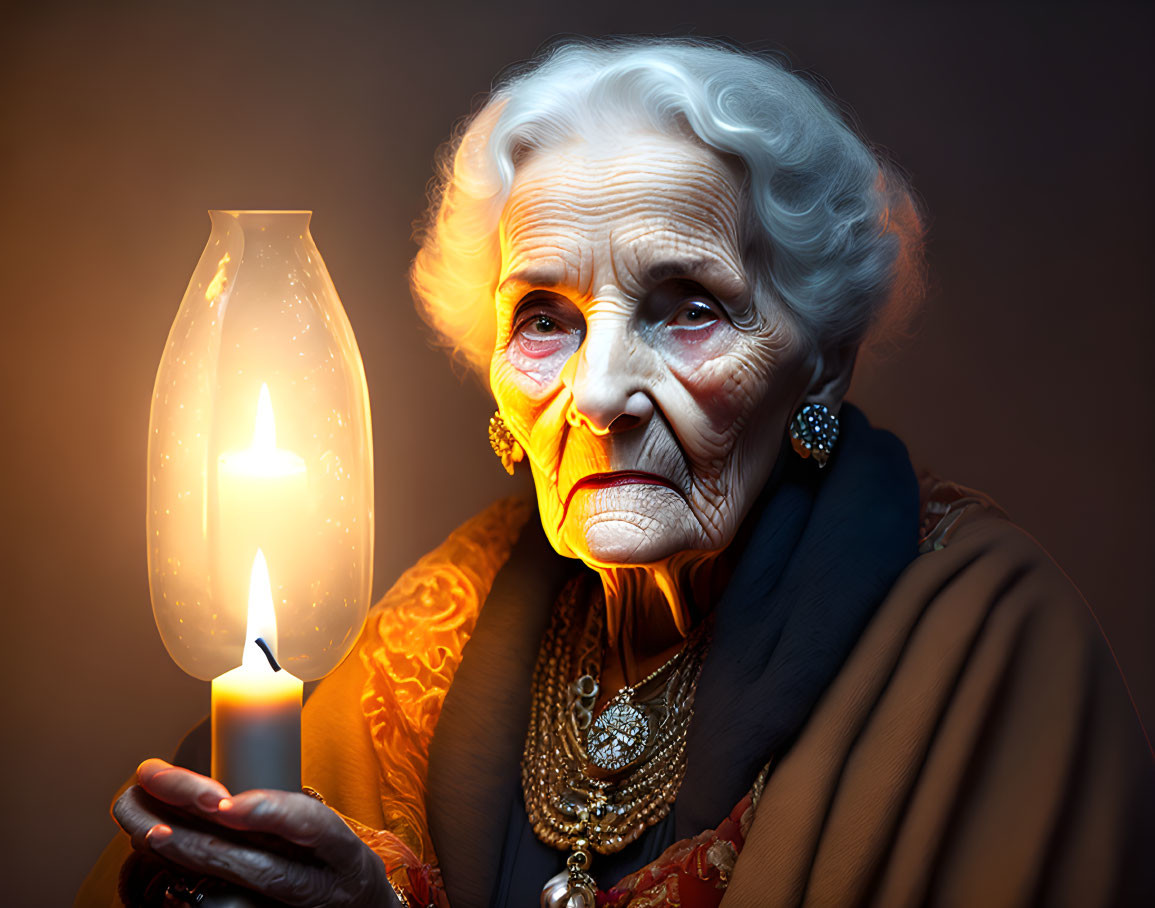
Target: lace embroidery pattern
x,y
412,647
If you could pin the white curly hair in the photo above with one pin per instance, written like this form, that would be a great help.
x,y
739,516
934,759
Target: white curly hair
x,y
830,229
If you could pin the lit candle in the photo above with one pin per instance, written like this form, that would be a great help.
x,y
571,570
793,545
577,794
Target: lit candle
x,y
256,708
226,481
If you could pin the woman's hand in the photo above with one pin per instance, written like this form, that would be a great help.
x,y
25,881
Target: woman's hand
x,y
285,845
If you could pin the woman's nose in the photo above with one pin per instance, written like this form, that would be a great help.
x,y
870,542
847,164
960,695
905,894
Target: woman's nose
x,y
608,387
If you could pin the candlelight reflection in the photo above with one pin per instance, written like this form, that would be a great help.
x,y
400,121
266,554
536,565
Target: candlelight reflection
x,y
263,458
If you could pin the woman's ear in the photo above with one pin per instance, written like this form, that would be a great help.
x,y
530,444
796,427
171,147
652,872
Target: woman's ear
x,y
830,380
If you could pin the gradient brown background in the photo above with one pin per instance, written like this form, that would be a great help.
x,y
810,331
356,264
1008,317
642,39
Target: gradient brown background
x,y
1026,129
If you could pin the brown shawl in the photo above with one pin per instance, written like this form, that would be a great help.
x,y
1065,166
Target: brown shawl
x,y
978,748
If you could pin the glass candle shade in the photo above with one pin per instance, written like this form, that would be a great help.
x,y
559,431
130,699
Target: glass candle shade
x,y
260,439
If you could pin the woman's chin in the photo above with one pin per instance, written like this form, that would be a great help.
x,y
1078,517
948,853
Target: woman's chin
x,y
606,528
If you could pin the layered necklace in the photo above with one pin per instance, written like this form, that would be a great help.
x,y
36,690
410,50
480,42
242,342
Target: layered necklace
x,y
596,782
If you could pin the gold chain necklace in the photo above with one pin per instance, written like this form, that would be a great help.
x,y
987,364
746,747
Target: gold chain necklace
x,y
597,782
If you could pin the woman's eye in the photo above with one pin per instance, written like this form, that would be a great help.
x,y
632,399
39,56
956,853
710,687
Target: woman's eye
x,y
694,315
538,326
539,334
541,324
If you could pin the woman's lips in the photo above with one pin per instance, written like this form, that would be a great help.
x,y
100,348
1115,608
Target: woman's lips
x,y
616,478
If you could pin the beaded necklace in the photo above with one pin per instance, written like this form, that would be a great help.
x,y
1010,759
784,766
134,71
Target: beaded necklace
x,y
596,782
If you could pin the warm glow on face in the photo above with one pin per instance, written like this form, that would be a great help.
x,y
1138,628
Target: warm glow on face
x,y
623,293
262,616
263,458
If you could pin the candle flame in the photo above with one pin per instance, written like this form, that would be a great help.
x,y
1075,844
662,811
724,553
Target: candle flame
x,y
262,620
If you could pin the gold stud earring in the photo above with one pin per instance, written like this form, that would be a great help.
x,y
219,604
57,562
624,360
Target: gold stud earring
x,y
504,444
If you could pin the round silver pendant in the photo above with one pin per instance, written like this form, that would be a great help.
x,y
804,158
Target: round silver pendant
x,y
617,737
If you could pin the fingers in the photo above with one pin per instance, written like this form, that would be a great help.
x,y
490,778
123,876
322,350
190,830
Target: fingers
x,y
295,818
135,812
180,787
283,844
284,879
290,816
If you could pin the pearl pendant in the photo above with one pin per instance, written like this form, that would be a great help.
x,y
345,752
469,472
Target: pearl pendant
x,y
566,891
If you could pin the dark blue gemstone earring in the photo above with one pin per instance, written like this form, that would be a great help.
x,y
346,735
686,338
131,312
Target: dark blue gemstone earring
x,y
813,432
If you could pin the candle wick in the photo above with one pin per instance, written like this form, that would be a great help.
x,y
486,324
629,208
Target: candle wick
x,y
260,641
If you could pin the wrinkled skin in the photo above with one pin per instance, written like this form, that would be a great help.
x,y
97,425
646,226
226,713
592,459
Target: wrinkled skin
x,y
630,338
320,860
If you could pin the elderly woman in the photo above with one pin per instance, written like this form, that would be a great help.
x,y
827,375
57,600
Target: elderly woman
x,y
764,669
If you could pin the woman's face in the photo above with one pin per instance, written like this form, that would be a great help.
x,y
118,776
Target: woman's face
x,y
648,387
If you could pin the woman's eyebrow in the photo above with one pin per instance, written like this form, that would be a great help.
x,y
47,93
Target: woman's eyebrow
x,y
663,271
702,268
705,269
543,278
